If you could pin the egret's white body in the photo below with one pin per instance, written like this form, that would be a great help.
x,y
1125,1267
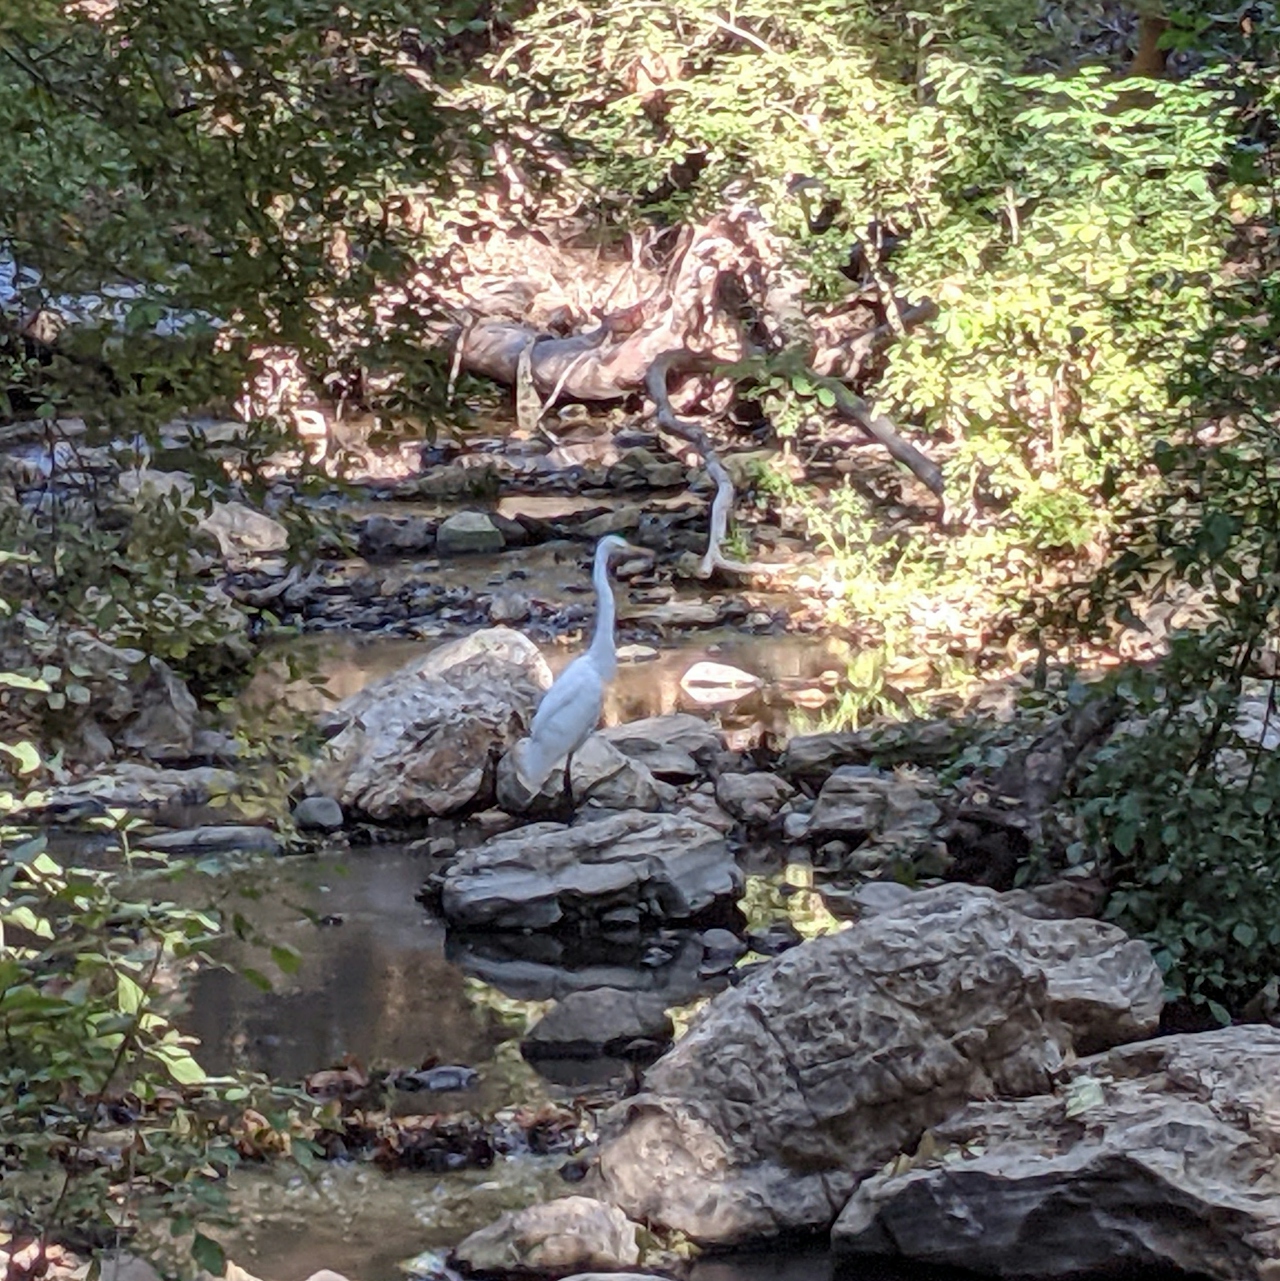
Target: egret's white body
x,y
571,708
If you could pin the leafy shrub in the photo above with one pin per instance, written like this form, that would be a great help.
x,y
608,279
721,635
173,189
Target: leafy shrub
x,y
105,1115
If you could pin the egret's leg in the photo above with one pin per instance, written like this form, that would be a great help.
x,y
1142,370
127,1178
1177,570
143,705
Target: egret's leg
x,y
568,783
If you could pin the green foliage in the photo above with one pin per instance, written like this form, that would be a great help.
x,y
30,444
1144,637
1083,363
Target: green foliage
x,y
106,1116
216,167
1183,809
1182,812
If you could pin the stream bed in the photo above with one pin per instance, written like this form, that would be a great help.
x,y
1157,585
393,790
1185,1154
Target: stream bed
x,y
381,981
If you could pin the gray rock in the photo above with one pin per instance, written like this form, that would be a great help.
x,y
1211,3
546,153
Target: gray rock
x,y
838,1055
418,743
541,967
318,814
618,521
599,774
699,806
214,748
722,943
385,536
120,1265
241,532
109,675
753,798
1154,1156
90,744
139,789
240,838
546,874
886,896
509,607
668,745
795,826
468,532
164,726
814,756
556,1238
602,1020
858,802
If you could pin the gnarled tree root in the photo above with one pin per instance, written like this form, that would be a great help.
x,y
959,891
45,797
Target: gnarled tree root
x,y
655,385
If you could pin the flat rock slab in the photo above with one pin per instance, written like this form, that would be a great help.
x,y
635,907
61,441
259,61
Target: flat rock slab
x,y
599,774
144,789
1159,1155
554,1239
667,866
421,742
829,1061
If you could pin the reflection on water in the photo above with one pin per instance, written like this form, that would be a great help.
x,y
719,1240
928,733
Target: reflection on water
x,y
378,979
651,688
382,981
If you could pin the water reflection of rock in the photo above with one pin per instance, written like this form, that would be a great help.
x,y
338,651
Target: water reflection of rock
x,y
348,663
541,967
377,986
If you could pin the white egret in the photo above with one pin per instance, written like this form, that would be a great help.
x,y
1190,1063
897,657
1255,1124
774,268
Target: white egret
x,y
571,708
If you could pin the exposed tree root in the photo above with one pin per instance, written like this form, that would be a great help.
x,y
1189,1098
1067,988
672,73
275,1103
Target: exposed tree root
x,y
684,361
723,298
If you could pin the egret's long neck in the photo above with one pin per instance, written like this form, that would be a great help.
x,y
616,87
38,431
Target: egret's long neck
x,y
602,642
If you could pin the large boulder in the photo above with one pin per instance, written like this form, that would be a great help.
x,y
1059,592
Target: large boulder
x,y
167,717
1156,1156
554,1239
422,742
241,532
827,1062
657,866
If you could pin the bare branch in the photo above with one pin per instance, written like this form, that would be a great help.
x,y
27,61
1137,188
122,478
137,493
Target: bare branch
x,y
655,384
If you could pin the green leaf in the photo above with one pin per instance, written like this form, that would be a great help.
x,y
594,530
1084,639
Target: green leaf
x,y
287,958
257,978
182,1067
1219,1012
208,1254
15,681
129,996
1244,934
25,753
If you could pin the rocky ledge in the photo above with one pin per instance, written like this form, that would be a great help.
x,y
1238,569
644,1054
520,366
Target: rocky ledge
x,y
831,1060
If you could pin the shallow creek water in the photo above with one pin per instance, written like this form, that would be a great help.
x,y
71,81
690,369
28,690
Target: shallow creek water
x,y
789,668
384,981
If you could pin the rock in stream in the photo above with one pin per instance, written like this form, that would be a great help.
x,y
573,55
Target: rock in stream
x,y
1155,1155
837,1056
623,867
421,742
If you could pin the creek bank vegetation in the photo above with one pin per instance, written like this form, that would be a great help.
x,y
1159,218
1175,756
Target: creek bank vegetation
x,y
953,235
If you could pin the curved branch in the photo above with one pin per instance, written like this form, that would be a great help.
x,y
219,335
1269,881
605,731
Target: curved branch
x,y
881,429
655,385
